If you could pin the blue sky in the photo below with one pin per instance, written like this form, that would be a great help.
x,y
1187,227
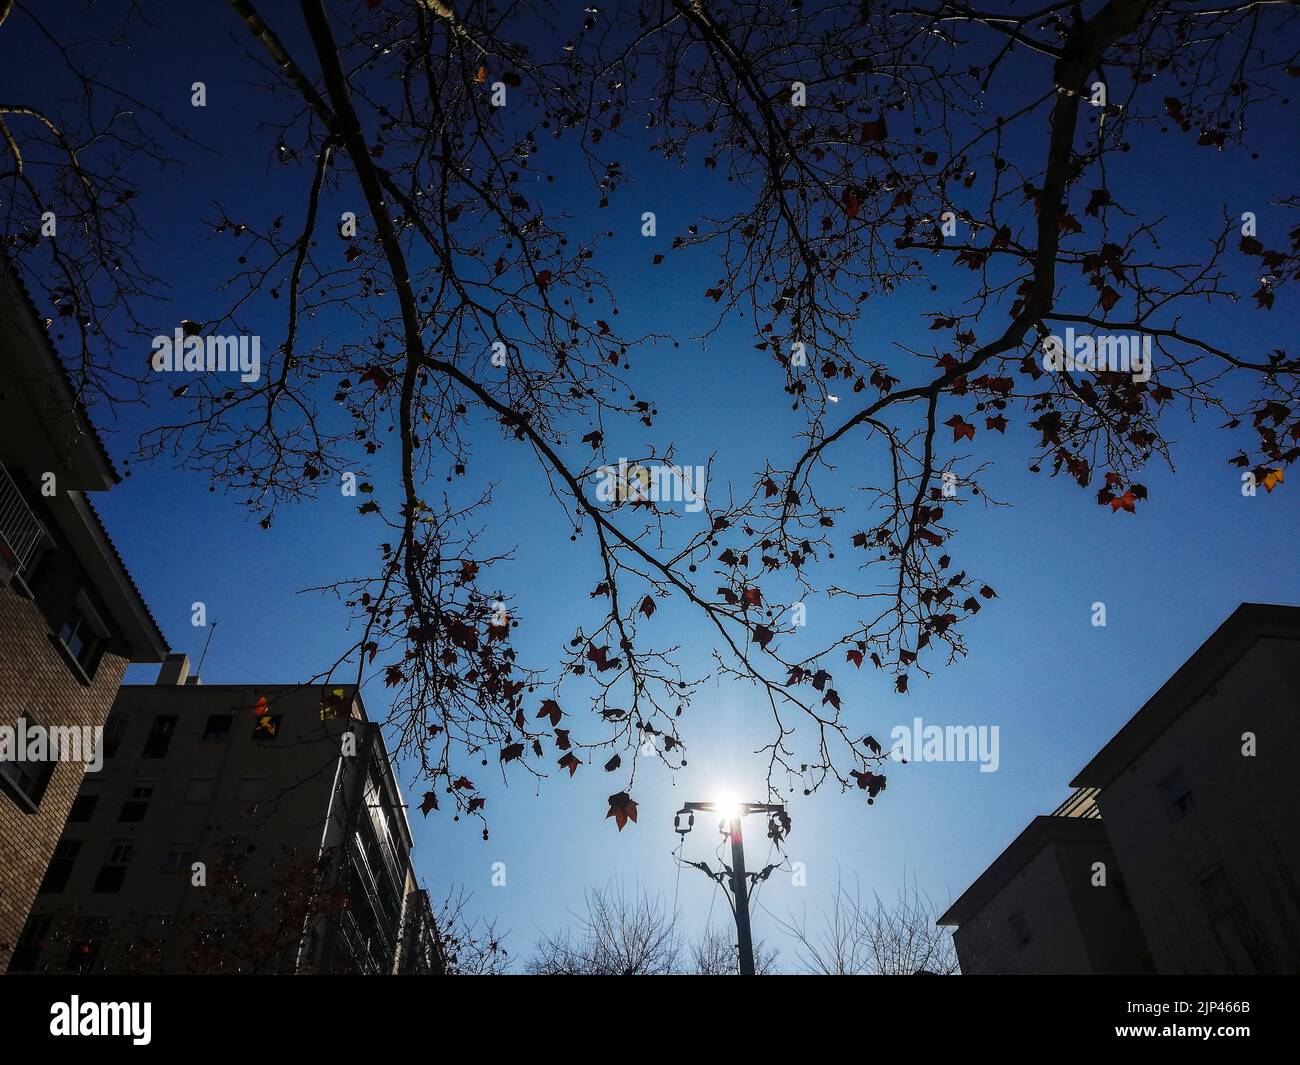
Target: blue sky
x,y
1056,686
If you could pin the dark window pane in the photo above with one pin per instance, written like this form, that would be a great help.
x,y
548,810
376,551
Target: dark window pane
x,y
109,880
83,808
218,728
160,736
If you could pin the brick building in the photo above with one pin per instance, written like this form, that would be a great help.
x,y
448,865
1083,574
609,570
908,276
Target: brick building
x,y
237,828
71,618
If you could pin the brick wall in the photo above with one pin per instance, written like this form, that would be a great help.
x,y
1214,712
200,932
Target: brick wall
x,y
33,674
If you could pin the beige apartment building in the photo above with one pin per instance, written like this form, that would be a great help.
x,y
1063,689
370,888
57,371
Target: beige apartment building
x,y
1052,902
71,617
238,829
1193,811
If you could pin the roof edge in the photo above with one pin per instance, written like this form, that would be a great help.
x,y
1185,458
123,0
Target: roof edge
x,y
1043,829
1238,632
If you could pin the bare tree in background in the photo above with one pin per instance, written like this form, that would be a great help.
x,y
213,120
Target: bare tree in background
x,y
871,937
632,933
715,954
469,946
620,934
974,156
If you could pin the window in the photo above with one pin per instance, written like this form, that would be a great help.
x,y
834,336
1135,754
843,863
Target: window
x,y
200,789
61,863
114,730
84,634
178,856
160,736
30,944
251,789
1020,930
113,871
137,804
83,808
85,943
26,780
1178,796
74,616
218,728
267,727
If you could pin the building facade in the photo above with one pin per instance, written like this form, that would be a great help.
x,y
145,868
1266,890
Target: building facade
x,y
236,829
1053,902
71,617
1199,799
1191,808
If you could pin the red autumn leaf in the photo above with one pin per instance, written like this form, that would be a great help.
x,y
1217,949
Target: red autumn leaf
x,y
762,636
463,783
752,597
647,606
613,763
550,708
622,809
960,428
855,657
1124,502
430,803
872,783
379,377
900,685
512,751
874,132
997,422
570,762
562,739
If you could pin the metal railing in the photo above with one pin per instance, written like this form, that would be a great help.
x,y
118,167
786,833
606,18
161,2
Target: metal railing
x,y
20,529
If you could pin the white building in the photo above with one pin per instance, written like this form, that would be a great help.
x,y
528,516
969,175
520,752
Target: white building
x,y
1191,809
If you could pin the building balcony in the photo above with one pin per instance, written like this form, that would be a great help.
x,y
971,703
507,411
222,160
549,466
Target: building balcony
x,y
21,533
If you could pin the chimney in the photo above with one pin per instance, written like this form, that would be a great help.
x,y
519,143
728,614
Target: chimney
x,y
174,670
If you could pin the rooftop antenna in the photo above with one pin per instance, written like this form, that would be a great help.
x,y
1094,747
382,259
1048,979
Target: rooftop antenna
x,y
199,668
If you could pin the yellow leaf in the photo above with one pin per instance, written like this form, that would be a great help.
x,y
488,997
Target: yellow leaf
x,y
481,76
1272,479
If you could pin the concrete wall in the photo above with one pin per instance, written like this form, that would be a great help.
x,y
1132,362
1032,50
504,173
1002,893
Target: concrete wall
x,y
1074,926
1244,816
264,800
256,813
988,945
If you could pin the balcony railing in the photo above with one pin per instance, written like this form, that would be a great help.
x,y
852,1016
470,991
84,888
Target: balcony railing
x,y
21,531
